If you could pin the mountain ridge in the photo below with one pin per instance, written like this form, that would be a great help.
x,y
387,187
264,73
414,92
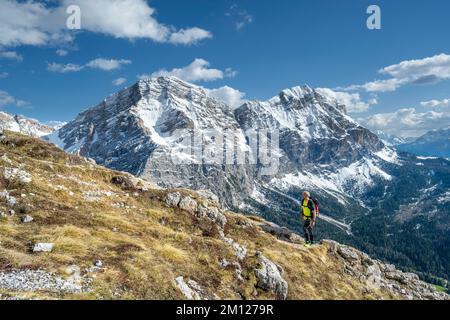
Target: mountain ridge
x,y
435,143
18,123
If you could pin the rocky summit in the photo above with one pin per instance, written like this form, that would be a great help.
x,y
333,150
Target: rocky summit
x,y
105,234
24,125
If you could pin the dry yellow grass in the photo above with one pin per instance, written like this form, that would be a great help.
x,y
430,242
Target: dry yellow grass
x,y
143,244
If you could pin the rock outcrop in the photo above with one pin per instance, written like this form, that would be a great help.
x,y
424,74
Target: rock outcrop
x,y
270,278
201,209
191,290
281,233
383,276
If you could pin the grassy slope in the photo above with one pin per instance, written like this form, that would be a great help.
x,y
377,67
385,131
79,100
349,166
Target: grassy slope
x,y
143,244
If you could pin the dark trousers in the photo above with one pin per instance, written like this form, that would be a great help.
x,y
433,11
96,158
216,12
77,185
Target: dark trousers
x,y
307,228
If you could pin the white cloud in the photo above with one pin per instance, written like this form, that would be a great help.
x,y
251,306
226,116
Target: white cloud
x,y
230,73
233,97
100,63
421,71
189,36
64,68
241,17
107,64
445,103
352,101
24,23
8,100
11,55
198,70
119,81
34,23
22,103
62,52
407,122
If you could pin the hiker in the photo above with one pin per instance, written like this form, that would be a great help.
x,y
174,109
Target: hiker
x,y
309,217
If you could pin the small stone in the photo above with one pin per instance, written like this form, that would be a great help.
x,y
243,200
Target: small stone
x,y
74,273
224,263
27,219
43,247
239,251
98,263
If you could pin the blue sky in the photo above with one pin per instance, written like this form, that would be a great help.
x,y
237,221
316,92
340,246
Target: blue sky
x,y
255,47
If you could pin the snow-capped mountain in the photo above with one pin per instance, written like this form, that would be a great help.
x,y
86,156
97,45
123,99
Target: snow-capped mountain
x,y
390,139
363,185
24,125
434,143
140,129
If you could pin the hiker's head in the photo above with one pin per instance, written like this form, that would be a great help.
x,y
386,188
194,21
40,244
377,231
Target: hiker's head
x,y
306,195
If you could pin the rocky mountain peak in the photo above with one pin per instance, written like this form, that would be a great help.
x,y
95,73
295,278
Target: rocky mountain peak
x,y
308,97
21,124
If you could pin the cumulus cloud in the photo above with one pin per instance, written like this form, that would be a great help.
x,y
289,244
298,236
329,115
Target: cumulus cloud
x,y
11,55
23,23
189,36
233,97
8,100
107,64
35,23
445,103
420,71
119,81
352,101
198,70
407,122
100,63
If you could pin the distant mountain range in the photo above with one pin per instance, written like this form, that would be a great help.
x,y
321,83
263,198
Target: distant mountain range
x,y
391,139
24,125
434,143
